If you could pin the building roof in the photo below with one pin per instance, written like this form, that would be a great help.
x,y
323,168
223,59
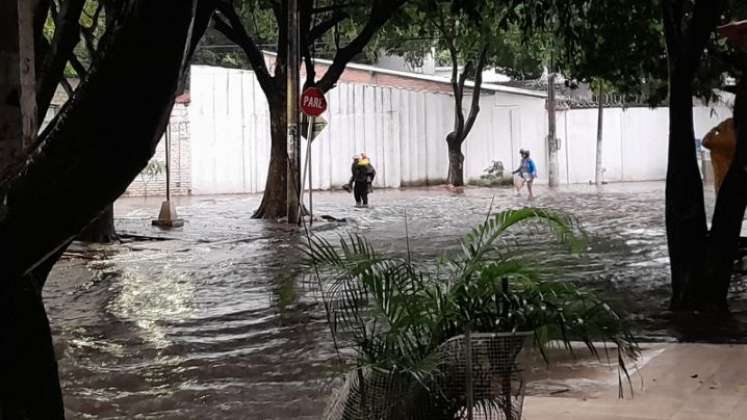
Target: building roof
x,y
736,32
489,87
184,99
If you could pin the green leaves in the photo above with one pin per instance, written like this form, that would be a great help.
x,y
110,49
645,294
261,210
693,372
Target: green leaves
x,y
462,27
395,314
623,43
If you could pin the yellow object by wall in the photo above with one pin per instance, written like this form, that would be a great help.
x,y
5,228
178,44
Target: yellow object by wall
x,y
722,142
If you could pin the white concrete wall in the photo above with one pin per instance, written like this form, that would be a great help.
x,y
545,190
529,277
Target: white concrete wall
x,y
230,132
634,144
404,133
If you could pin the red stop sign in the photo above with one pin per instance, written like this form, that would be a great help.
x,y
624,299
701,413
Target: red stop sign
x,y
313,102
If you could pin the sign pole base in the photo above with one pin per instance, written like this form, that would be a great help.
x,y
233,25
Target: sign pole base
x,y
167,217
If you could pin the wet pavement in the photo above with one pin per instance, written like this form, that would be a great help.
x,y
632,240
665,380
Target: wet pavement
x,y
676,381
212,320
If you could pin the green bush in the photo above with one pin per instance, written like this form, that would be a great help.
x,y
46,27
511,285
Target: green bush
x,y
395,312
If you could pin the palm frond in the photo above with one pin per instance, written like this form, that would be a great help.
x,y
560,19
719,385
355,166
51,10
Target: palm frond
x,y
395,314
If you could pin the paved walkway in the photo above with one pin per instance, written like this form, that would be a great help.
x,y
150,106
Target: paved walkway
x,y
674,382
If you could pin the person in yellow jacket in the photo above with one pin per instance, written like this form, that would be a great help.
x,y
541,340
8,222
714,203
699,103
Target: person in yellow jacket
x,y
363,174
722,142
366,161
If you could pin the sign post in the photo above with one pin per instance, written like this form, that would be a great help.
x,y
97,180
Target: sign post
x,y
167,217
307,170
313,104
294,139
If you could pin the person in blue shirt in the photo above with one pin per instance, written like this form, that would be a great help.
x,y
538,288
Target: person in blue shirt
x,y
527,173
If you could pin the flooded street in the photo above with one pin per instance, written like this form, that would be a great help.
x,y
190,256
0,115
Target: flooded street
x,y
213,321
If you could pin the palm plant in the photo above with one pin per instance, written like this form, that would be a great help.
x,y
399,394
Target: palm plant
x,y
396,314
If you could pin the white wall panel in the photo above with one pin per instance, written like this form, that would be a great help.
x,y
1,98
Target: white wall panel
x,y
404,132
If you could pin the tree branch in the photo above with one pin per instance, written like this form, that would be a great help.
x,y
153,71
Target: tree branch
x,y
334,8
89,33
235,31
96,14
112,12
323,27
310,35
459,99
151,47
307,42
309,65
442,26
79,68
706,16
204,13
61,48
89,41
67,87
378,17
41,44
678,13
672,34
280,11
457,85
476,90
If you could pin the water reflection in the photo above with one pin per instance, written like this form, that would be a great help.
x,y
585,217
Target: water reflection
x,y
145,302
217,323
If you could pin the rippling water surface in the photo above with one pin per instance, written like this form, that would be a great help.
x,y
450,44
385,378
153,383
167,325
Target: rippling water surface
x,y
213,321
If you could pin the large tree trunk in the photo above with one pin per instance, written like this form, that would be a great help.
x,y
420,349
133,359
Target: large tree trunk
x,y
462,127
83,161
685,206
686,37
83,141
456,160
728,216
100,230
274,199
29,388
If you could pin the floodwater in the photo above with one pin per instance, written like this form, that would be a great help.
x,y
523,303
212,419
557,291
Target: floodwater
x,y
212,321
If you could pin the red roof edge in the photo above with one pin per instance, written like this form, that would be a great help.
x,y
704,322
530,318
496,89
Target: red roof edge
x,y
184,98
736,32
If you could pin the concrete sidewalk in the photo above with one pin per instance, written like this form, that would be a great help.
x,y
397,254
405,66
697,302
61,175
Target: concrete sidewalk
x,y
674,382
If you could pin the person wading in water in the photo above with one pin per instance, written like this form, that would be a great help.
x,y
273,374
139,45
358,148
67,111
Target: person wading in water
x,y
363,174
527,172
